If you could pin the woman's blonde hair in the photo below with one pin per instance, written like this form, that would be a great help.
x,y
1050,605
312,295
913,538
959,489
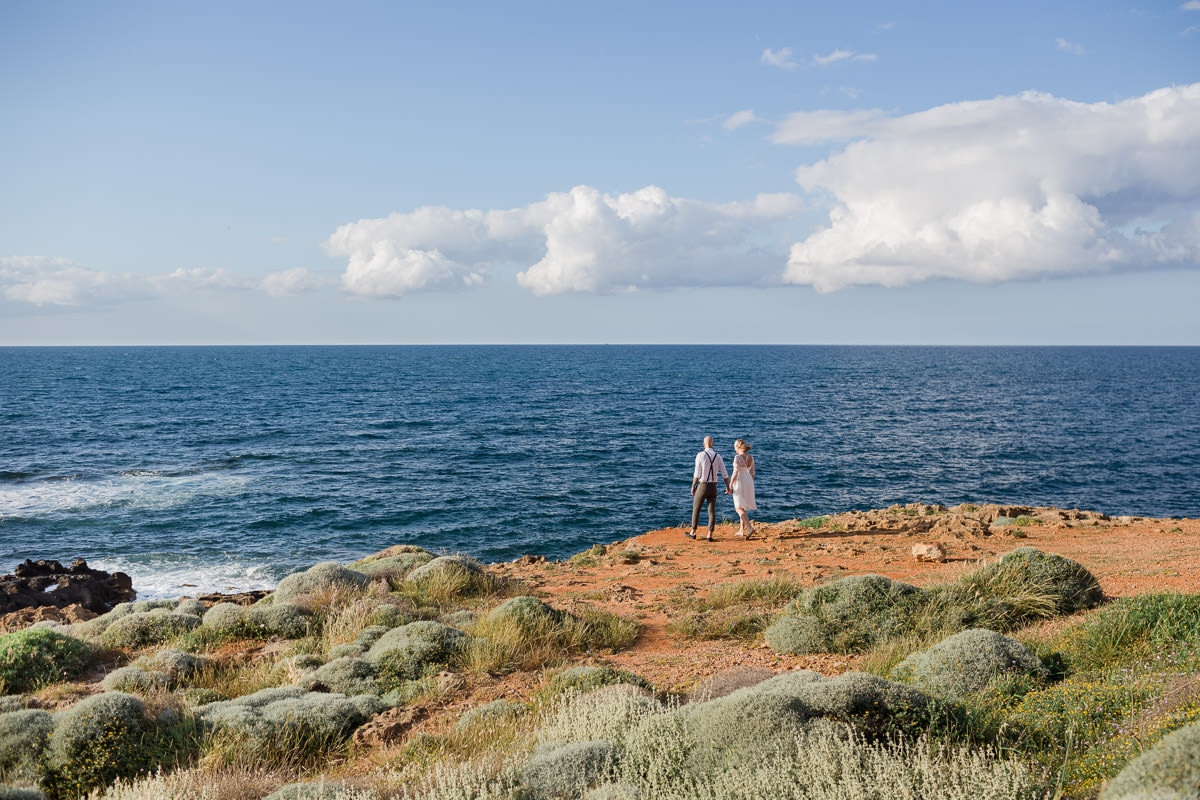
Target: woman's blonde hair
x,y
742,444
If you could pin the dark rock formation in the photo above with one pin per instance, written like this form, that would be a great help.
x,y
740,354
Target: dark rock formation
x,y
36,584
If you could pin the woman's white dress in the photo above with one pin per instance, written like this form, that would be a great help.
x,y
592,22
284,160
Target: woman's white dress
x,y
743,484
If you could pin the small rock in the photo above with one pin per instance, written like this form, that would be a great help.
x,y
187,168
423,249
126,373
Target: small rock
x,y
929,552
449,682
388,727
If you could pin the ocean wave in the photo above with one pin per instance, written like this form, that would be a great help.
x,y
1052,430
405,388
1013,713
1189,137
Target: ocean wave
x,y
130,489
155,579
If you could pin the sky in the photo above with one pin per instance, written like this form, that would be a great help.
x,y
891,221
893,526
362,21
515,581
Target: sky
x,y
618,172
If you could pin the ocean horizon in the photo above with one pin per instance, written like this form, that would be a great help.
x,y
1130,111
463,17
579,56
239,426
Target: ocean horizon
x,y
228,467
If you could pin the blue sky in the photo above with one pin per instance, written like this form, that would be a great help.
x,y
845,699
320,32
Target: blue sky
x,y
193,173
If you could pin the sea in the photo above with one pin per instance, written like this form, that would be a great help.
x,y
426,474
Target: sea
x,y
199,469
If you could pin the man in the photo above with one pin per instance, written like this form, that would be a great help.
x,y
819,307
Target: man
x,y
704,486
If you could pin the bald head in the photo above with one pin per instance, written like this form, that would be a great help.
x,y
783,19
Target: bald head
x,y
708,441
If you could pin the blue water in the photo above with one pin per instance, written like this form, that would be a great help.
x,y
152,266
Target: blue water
x,y
228,467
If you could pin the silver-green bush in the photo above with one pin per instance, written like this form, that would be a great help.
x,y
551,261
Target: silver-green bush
x,y
495,710
143,628
20,793
290,716
1170,770
318,576
175,664
133,679
525,610
728,682
454,565
586,678
568,771
100,739
280,619
319,790
847,615
965,663
23,737
414,650
348,676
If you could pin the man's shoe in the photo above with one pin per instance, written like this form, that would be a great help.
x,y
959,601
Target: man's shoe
x,y
689,534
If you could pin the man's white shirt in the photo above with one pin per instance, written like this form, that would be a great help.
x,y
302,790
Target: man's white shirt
x,y
708,464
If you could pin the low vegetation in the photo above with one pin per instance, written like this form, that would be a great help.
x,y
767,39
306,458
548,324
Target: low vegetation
x,y
960,697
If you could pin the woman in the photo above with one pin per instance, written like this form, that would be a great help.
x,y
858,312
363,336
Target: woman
x,y
743,487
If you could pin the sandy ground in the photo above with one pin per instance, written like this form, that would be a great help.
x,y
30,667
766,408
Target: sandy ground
x,y
1128,556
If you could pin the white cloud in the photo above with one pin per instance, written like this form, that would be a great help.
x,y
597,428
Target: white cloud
x,y
1069,47
836,55
45,281
42,281
738,119
1011,188
781,58
811,127
583,240
292,282
1190,5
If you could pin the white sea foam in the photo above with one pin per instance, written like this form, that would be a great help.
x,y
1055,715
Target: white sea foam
x,y
134,489
175,578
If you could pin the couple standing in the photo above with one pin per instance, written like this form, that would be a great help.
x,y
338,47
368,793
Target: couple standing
x,y
709,464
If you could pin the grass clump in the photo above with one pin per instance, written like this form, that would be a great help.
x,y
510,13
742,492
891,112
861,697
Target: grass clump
x,y
446,580
525,633
734,610
1132,629
844,616
966,662
1070,584
813,523
36,657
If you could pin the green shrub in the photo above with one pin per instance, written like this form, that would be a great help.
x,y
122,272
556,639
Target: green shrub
x,y
143,628
966,662
176,665
102,738
393,568
1071,585
415,650
318,791
813,523
526,611
1170,769
190,605
586,678
451,565
20,793
569,770
844,616
727,682
288,724
319,576
35,657
495,710
133,679
278,620
1131,629
348,676
23,737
